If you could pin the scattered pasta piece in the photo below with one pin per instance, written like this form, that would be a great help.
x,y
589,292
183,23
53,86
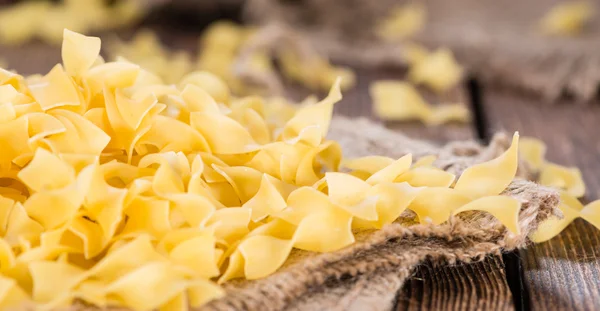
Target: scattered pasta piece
x,y
506,209
402,22
571,209
438,71
414,53
533,151
562,177
551,174
568,18
172,189
396,100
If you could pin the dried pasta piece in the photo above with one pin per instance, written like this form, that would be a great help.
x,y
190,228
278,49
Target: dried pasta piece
x,y
313,71
392,171
51,280
79,52
211,125
202,291
212,84
11,295
591,213
324,231
424,176
158,277
414,53
369,164
56,89
266,201
397,100
566,178
568,18
571,209
311,123
533,151
492,177
439,71
198,254
504,208
352,194
20,22
448,112
436,204
263,255
393,199
402,22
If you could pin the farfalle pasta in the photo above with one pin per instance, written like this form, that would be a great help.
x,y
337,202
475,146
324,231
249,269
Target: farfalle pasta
x,y
117,185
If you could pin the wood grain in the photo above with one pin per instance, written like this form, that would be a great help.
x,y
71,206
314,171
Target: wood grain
x,y
562,273
479,286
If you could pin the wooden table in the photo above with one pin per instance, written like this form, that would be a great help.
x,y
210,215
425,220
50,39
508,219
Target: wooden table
x,y
563,273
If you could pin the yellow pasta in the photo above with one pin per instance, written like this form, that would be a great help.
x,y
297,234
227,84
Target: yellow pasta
x,y
437,70
492,177
220,49
567,18
551,174
26,20
172,190
564,178
570,184
396,100
402,22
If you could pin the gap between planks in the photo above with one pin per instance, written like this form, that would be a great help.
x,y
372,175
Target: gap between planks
x,y
563,273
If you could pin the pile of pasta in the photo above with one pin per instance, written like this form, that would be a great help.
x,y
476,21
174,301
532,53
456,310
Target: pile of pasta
x,y
120,190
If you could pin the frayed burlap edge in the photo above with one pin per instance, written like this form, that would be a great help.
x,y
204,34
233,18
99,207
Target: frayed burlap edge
x,y
367,274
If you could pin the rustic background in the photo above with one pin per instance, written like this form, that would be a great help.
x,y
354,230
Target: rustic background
x,y
563,273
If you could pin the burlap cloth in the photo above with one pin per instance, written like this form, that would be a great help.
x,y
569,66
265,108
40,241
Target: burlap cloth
x,y
368,274
495,40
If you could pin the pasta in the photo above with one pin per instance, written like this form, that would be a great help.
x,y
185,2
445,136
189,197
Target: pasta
x,y
397,100
45,20
570,184
568,18
402,22
116,185
437,70
220,48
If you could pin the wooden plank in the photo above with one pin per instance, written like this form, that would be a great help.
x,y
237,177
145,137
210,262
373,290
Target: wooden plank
x,y
479,286
563,272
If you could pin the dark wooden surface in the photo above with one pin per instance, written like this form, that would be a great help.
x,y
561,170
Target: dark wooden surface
x,y
564,272
560,274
